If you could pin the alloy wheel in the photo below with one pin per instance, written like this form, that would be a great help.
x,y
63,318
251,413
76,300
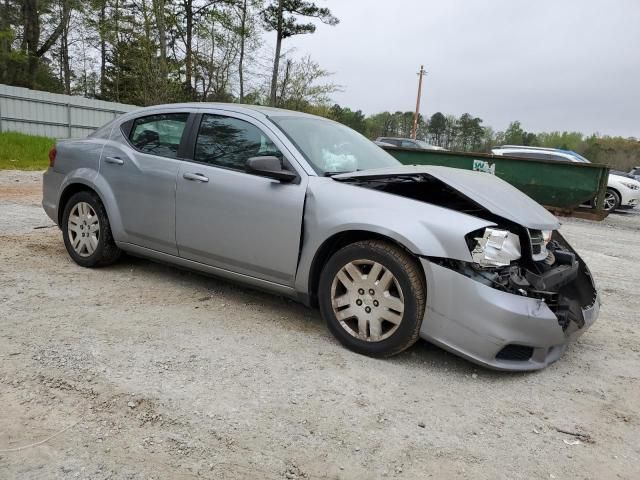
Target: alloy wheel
x,y
84,229
609,201
367,300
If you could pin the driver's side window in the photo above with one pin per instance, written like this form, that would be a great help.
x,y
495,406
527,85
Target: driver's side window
x,y
229,142
159,134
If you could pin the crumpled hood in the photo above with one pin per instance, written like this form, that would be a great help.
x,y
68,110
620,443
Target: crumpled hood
x,y
489,191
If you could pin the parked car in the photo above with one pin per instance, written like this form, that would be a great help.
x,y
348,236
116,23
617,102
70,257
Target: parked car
x,y
406,143
383,144
305,207
622,190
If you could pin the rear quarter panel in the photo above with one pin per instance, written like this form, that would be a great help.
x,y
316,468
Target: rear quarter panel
x,y
74,155
77,161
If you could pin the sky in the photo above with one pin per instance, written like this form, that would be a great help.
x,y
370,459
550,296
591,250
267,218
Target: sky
x,y
551,64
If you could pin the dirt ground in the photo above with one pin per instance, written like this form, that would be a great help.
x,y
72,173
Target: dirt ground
x,y
141,370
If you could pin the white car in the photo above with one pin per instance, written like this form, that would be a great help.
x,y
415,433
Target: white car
x,y
622,191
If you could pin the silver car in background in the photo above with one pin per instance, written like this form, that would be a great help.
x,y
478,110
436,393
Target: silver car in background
x,y
308,208
406,143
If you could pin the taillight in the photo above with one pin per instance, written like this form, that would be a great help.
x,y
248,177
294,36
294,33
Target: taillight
x,y
52,156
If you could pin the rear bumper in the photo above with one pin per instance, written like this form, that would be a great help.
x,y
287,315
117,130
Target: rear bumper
x,y
51,185
477,322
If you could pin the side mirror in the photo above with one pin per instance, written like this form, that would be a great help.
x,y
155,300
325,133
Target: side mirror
x,y
271,167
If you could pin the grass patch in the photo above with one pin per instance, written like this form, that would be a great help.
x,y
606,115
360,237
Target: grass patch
x,y
24,152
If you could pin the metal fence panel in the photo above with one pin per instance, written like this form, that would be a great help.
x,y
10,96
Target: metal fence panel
x,y
52,114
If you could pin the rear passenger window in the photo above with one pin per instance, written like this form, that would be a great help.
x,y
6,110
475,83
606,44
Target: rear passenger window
x,y
229,142
159,134
408,144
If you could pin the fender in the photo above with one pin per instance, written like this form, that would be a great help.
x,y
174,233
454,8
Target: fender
x,y
421,228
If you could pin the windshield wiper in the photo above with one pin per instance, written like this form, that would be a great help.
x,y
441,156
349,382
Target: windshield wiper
x,y
331,174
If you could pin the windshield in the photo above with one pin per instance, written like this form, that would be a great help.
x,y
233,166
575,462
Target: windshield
x,y
330,147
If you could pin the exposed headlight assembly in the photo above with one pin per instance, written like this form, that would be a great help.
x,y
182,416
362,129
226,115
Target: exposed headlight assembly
x,y
539,240
496,248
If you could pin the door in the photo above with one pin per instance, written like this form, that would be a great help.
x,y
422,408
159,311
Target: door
x,y
231,219
140,165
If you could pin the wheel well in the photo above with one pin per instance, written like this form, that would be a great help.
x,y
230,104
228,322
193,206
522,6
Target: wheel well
x,y
68,193
615,190
332,245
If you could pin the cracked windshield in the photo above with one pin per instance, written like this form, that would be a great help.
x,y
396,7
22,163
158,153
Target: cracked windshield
x,y
332,148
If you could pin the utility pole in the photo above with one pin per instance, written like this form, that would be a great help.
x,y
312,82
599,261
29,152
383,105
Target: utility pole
x,y
414,128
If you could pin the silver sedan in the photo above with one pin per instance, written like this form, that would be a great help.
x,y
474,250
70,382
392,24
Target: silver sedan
x,y
308,208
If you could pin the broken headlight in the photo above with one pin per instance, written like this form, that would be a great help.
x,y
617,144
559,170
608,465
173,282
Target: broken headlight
x,y
539,240
496,248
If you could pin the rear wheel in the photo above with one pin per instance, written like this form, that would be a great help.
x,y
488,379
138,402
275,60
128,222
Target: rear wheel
x,y
372,296
86,231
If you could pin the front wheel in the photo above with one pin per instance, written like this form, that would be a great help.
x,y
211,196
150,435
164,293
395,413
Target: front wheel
x,y
611,200
86,231
372,296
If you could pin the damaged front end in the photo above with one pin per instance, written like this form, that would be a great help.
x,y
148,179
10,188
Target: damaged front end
x,y
550,271
519,295
544,268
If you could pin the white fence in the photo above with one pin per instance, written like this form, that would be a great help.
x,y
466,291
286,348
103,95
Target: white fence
x,y
52,114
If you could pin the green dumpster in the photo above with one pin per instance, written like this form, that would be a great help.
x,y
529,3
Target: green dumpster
x,y
560,186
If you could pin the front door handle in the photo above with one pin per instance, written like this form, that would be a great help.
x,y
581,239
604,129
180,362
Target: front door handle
x,y
114,160
195,177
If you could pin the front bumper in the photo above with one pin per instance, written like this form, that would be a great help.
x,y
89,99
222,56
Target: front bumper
x,y
629,198
477,322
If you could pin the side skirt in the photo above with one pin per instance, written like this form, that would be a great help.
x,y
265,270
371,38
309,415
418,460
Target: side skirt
x,y
209,270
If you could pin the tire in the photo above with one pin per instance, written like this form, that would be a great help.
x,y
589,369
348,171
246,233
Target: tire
x,y
85,210
395,305
611,200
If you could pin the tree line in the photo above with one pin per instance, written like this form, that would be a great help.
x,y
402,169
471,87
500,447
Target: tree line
x,y
145,52
467,133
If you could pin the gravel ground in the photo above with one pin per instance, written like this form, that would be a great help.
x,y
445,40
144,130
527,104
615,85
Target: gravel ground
x,y
141,370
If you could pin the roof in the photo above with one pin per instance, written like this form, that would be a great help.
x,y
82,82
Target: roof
x,y
526,147
237,107
398,138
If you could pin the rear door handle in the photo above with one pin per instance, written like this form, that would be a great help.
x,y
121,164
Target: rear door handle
x,y
195,177
114,160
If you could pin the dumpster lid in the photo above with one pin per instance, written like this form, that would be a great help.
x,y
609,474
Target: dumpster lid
x,y
487,190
